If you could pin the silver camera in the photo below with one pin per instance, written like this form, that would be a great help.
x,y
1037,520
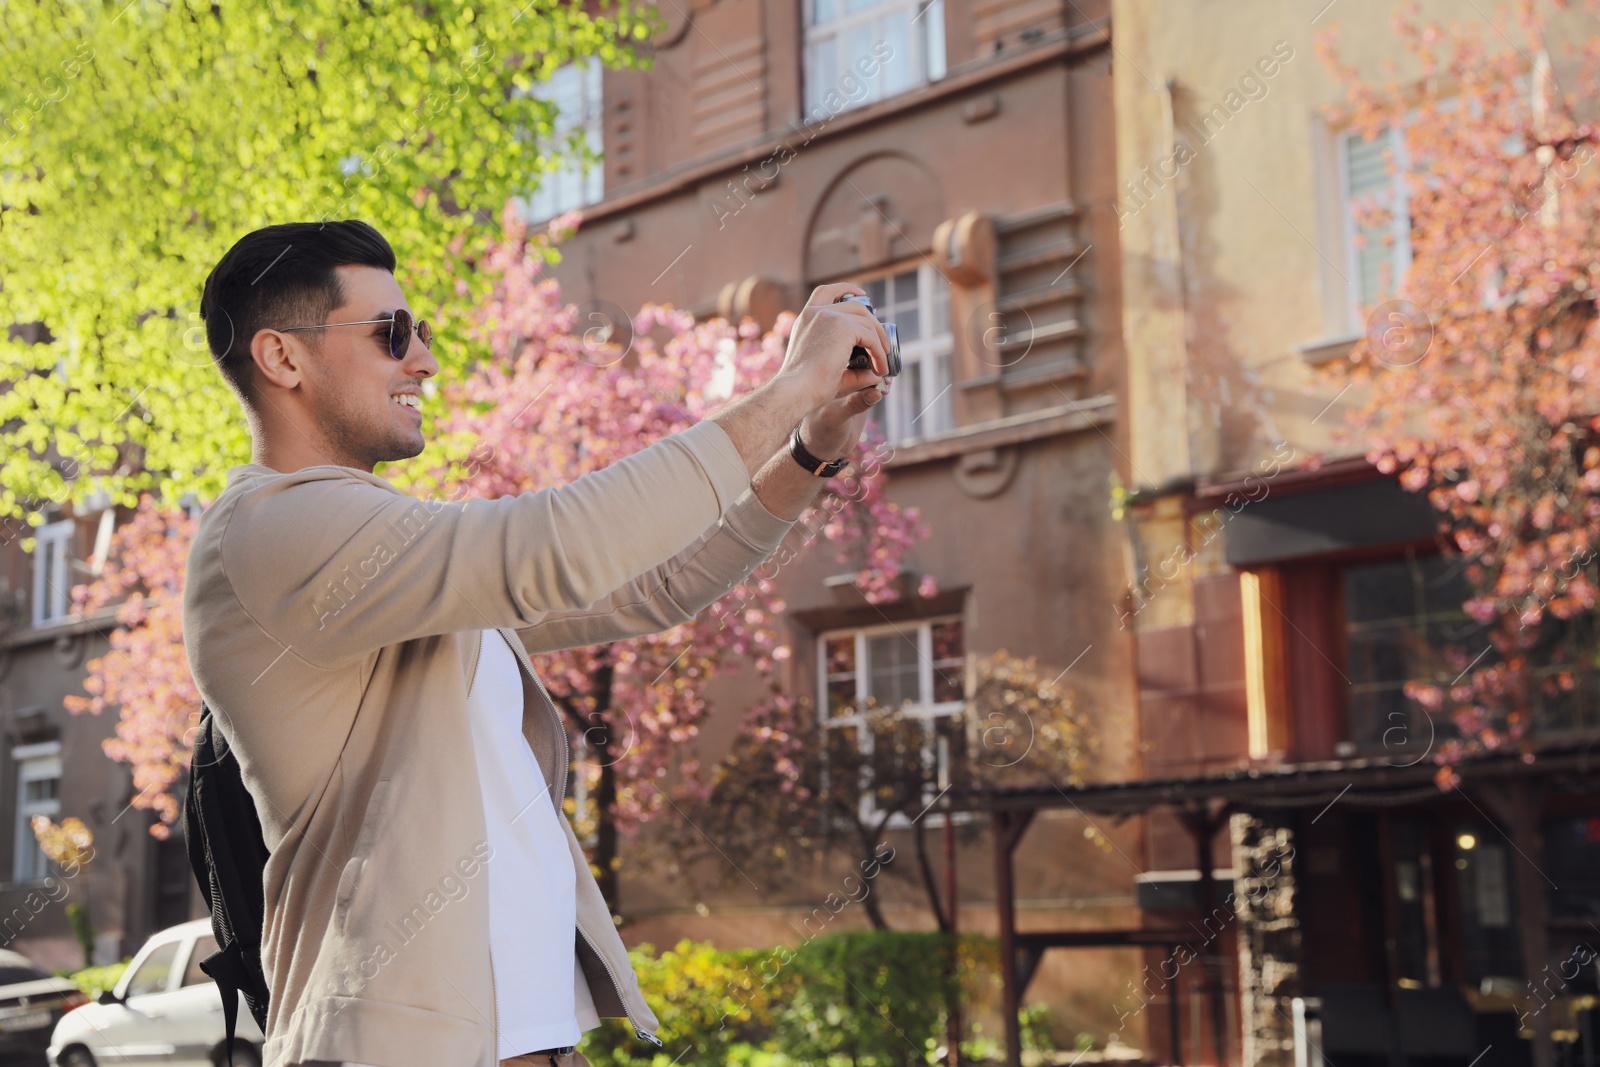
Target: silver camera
x,y
860,358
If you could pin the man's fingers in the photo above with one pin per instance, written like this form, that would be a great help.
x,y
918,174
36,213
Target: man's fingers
x,y
852,381
878,346
827,294
869,334
852,402
864,329
862,399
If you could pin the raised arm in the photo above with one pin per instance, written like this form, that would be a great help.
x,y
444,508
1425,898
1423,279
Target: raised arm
x,y
724,555
335,563
815,370
675,592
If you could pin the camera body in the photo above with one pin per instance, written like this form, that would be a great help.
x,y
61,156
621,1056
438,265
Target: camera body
x,y
860,359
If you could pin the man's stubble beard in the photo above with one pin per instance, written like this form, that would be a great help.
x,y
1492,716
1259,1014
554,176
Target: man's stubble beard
x,y
364,440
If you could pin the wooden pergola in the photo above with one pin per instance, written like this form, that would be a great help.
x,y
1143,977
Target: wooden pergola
x,y
1509,785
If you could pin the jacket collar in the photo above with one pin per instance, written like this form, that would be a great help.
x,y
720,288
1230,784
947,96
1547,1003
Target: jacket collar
x,y
247,472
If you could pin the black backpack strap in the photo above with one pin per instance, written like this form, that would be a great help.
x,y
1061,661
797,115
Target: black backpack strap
x,y
226,967
228,855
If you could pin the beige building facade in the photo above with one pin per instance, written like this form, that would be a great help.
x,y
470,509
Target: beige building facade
x,y
1277,612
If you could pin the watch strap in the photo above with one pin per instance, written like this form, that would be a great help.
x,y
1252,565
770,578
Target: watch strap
x,y
819,467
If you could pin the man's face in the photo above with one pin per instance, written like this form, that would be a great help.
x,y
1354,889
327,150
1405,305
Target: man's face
x,y
355,388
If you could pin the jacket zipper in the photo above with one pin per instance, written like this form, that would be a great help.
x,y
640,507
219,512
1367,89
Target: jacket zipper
x,y
566,748
639,1032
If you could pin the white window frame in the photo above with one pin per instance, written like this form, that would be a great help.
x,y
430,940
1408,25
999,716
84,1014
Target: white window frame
x,y
1341,286
926,709
35,763
927,61
573,184
52,572
926,410
1395,198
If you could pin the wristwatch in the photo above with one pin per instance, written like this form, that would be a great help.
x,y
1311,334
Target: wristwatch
x,y
803,456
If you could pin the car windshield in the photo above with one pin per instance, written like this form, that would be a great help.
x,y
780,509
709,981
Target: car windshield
x,y
152,975
18,975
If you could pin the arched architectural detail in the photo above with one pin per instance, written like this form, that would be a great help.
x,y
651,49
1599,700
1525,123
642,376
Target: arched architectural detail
x,y
879,209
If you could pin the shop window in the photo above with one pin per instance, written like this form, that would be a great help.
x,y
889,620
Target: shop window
x,y
1404,622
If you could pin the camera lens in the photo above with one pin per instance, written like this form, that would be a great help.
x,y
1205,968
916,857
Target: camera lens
x,y
893,351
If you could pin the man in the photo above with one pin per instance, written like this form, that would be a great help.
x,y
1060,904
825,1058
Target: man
x,y
366,655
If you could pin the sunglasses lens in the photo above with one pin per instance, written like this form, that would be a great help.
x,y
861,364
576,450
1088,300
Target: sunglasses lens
x,y
425,332
400,334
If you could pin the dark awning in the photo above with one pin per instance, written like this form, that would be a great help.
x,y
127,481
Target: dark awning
x,y
1567,765
1283,526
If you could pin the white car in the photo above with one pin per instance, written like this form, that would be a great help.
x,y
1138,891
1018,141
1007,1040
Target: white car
x,y
164,1009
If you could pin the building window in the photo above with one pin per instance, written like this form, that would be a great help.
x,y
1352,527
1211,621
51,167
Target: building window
x,y
1404,622
1376,223
858,51
915,667
575,91
38,793
917,301
52,571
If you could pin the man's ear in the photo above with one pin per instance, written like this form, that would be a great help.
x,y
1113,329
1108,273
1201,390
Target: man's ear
x,y
278,360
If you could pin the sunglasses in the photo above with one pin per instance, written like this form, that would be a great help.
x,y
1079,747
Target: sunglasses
x,y
400,330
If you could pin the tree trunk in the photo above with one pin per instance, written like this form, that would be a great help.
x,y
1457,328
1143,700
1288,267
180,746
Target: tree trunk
x,y
595,729
600,740
929,882
605,850
868,837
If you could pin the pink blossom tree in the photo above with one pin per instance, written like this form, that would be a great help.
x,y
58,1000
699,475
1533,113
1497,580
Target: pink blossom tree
x,y
1482,381
145,675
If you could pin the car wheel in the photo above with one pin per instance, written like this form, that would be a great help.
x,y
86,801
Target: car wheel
x,y
244,1055
76,1057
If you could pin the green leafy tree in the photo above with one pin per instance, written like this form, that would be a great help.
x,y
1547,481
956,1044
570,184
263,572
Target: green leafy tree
x,y
139,140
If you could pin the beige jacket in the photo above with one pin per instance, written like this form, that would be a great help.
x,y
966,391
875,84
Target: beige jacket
x,y
333,625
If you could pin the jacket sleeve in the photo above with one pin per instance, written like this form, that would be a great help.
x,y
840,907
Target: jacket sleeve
x,y
675,592
335,565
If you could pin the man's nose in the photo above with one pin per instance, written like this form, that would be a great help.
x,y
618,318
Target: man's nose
x,y
420,361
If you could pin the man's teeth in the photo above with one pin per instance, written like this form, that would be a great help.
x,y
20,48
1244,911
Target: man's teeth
x,y
410,400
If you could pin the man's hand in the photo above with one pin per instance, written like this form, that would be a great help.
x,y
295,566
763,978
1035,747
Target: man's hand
x,y
829,432
833,429
824,334
815,374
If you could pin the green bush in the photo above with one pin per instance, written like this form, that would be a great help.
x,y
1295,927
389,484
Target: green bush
x,y
718,1001
876,998
865,998
1035,1020
95,980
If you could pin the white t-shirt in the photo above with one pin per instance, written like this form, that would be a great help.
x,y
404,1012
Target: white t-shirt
x,y
541,995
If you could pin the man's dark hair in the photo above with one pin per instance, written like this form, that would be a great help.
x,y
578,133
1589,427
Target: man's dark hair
x,y
282,276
